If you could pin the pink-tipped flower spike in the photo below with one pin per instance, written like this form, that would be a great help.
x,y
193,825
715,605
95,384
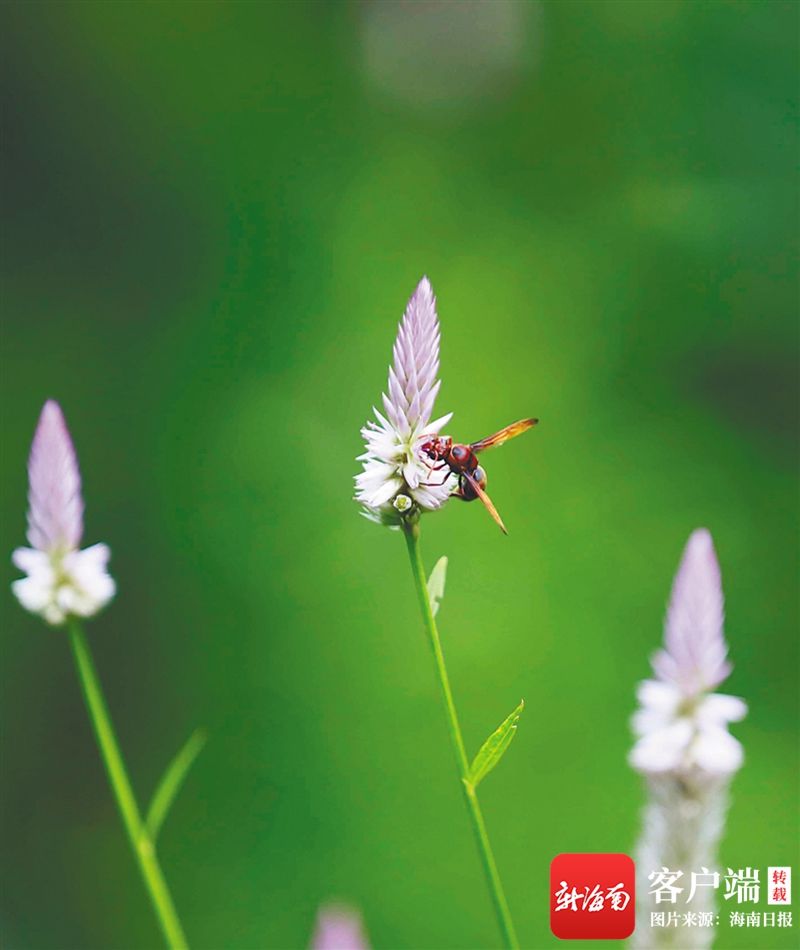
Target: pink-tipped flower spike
x,y
395,479
682,726
398,483
695,656
684,749
62,580
339,928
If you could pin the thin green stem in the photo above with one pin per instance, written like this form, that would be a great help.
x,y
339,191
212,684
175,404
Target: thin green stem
x,y
141,842
411,532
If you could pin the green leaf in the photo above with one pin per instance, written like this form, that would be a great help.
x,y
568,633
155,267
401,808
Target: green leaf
x,y
436,584
495,746
171,782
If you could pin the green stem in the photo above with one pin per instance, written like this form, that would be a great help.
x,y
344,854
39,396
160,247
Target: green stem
x,y
141,842
411,532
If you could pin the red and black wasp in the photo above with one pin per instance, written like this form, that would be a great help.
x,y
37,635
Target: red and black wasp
x,y
462,460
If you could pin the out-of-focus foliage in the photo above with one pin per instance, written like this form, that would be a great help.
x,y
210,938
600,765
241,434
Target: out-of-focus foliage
x,y
213,216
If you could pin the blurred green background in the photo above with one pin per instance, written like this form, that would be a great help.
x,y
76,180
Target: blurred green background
x,y
213,216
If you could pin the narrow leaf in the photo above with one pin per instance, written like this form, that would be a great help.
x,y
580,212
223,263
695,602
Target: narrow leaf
x,y
171,782
495,746
436,584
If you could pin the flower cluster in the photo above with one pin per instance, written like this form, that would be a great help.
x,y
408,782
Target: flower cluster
x,y
395,477
682,725
62,579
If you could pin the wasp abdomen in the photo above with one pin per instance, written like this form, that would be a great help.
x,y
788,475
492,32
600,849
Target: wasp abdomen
x,y
465,490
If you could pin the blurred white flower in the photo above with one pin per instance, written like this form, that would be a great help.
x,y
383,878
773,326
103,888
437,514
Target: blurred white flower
x,y
339,928
682,725
393,469
684,749
62,580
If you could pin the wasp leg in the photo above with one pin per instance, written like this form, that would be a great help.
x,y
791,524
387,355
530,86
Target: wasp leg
x,y
434,468
438,468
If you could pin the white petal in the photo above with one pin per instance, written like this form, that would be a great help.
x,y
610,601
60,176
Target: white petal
x,y
663,750
432,497
373,477
31,561
414,473
716,751
92,586
433,428
54,615
383,493
66,598
383,421
647,720
32,593
97,555
660,697
718,709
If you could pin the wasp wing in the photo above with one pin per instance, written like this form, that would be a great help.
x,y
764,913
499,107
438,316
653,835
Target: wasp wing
x,y
510,432
486,500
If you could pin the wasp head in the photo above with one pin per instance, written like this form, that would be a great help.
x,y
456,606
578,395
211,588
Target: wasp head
x,y
436,448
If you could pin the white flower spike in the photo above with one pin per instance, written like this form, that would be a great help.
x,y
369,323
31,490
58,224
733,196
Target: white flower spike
x,y
62,580
682,725
395,478
684,749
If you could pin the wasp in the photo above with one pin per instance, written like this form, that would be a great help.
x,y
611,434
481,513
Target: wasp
x,y
462,460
